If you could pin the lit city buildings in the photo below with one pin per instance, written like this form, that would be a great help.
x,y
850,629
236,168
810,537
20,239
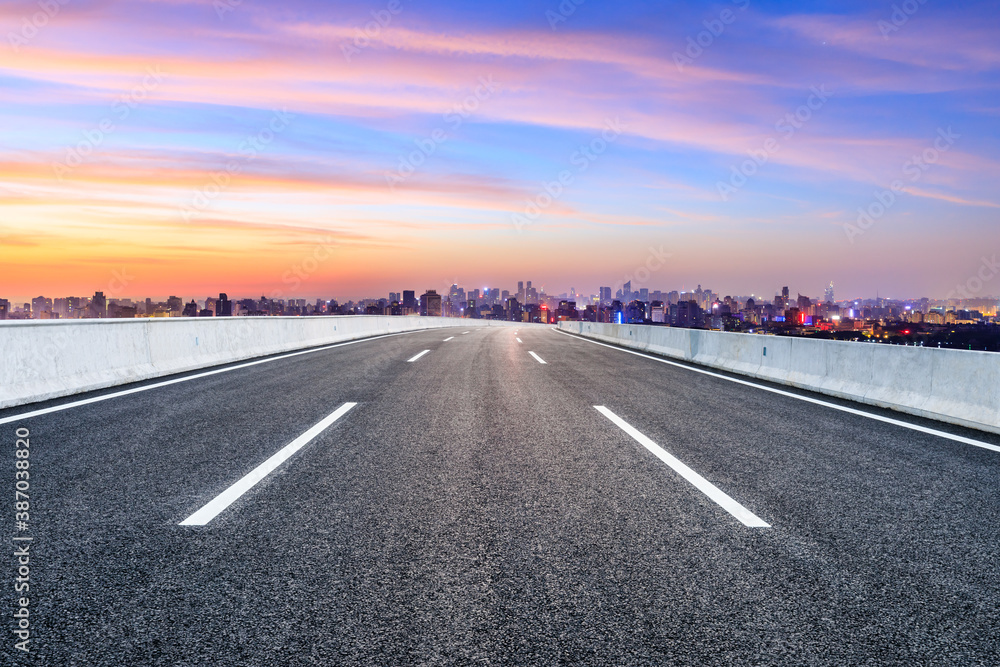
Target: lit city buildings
x,y
966,323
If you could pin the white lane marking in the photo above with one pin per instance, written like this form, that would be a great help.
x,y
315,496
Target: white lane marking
x,y
537,358
464,332
745,516
448,338
411,360
807,399
233,493
157,385
519,340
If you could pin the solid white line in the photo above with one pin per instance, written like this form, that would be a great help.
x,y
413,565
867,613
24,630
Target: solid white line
x,y
807,399
519,340
157,385
745,516
448,339
537,358
232,494
417,356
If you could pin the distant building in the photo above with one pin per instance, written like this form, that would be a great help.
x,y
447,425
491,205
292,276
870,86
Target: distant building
x,y
40,305
659,312
409,299
635,312
191,309
224,307
430,304
689,314
98,306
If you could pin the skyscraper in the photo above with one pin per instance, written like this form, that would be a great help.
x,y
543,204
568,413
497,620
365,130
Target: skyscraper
x,y
223,307
828,295
98,306
430,303
409,299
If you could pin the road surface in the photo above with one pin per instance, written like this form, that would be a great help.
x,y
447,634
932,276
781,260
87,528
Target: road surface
x,y
504,496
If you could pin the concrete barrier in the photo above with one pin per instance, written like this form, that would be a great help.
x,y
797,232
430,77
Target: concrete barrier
x,y
956,386
40,360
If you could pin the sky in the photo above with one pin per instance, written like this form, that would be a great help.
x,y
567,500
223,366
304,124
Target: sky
x,y
345,150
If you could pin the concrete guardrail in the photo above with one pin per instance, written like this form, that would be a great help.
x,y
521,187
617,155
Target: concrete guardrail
x,y
44,359
956,386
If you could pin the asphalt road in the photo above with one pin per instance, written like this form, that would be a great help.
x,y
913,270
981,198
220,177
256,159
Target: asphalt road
x,y
475,507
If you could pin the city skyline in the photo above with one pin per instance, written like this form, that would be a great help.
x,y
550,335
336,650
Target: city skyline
x,y
957,295
357,147
969,323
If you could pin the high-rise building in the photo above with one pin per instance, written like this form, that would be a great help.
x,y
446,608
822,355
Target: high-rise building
x,y
430,304
828,295
605,296
456,297
61,307
175,305
409,299
98,306
40,305
223,307
4,308
689,314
